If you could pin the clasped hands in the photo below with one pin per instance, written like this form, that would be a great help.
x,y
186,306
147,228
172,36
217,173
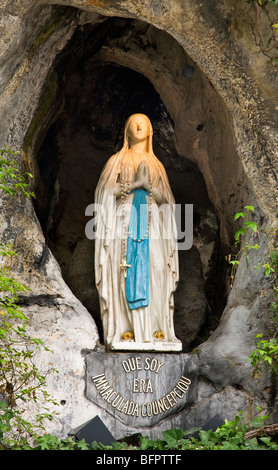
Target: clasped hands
x,y
142,177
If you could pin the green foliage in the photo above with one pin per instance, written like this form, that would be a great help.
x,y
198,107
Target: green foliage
x,y
230,436
11,180
266,352
49,442
246,247
247,225
234,260
20,379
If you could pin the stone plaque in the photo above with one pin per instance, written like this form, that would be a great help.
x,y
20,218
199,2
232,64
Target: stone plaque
x,y
141,389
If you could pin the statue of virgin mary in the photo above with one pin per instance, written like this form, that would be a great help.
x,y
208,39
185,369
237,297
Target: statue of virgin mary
x,y
136,258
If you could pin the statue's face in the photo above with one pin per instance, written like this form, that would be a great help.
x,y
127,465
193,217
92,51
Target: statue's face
x,y
138,128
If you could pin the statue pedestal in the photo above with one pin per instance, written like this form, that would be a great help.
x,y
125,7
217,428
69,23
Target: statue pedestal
x,y
162,346
138,390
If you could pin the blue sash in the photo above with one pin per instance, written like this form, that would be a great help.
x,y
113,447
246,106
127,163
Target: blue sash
x,y
138,275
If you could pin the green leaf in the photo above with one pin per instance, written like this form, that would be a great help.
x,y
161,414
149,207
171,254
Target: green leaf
x,y
82,445
241,231
266,440
146,443
252,225
234,262
170,438
252,247
239,214
253,444
268,269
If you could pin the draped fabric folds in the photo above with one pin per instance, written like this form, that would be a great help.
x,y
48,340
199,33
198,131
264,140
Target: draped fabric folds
x,y
125,304
137,257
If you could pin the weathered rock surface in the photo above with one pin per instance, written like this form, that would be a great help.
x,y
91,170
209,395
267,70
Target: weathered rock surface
x,y
219,94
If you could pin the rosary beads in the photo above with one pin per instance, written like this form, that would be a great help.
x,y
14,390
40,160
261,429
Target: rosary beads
x,y
126,190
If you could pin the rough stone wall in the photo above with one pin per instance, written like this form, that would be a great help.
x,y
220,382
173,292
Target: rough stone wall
x,y
223,47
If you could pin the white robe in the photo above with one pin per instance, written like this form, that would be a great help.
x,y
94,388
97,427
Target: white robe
x,y
116,316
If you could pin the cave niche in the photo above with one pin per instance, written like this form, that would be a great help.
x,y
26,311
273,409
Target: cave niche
x,y
105,73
